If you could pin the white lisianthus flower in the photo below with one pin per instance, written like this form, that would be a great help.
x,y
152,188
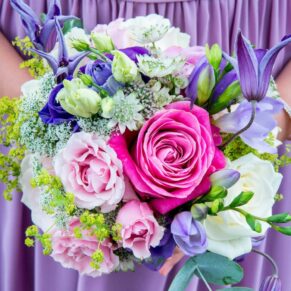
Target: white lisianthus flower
x,y
228,233
158,67
31,196
174,37
147,29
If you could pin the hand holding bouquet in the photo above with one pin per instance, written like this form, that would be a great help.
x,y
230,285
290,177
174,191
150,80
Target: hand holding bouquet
x,y
132,144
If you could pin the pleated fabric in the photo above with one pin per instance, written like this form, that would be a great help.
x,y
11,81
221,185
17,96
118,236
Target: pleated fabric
x,y
265,22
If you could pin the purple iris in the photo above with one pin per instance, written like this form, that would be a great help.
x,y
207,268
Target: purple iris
x,y
37,30
53,112
101,74
254,66
189,234
262,125
202,70
132,52
64,66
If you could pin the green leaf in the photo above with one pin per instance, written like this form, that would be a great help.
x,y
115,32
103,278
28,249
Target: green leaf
x,y
218,269
285,230
184,276
236,289
70,24
253,223
242,199
215,192
279,218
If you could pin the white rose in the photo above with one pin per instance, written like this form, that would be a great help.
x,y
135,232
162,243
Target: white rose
x,y
228,233
31,196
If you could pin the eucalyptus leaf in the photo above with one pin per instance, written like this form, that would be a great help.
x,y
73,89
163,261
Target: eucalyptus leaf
x,y
218,269
184,276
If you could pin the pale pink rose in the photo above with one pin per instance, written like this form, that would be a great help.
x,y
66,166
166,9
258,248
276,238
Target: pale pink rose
x,y
140,229
172,156
191,54
76,253
119,34
90,169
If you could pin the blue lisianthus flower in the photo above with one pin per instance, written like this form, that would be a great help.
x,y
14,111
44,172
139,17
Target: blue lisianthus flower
x,y
101,74
262,125
53,112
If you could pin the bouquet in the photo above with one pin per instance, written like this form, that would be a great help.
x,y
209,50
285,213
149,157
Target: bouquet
x,y
129,144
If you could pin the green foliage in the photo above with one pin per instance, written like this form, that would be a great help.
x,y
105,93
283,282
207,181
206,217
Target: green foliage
x,y
9,137
216,192
32,234
211,268
34,63
237,148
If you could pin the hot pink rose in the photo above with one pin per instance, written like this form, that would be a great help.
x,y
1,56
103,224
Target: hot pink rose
x,y
172,156
90,169
140,229
76,253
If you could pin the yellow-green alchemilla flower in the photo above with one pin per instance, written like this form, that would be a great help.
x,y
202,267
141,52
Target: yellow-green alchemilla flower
x,y
123,68
102,42
107,107
78,99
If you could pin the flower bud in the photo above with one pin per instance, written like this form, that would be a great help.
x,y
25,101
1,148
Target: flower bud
x,y
80,45
86,79
225,178
107,107
79,100
123,68
214,55
102,42
199,211
271,283
225,91
201,82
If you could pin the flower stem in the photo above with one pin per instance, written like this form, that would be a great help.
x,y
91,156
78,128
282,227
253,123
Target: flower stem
x,y
270,259
254,103
204,280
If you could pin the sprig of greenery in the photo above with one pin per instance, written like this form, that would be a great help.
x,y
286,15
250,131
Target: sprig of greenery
x,y
34,63
10,162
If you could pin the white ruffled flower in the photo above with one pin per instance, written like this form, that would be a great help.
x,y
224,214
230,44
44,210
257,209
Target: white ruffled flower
x,y
174,37
31,196
228,233
126,112
158,67
148,29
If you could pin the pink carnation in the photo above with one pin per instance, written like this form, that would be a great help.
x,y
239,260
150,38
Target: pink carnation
x,y
90,169
140,230
172,156
76,253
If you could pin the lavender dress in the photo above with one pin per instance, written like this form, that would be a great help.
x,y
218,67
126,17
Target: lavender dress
x,y
264,22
